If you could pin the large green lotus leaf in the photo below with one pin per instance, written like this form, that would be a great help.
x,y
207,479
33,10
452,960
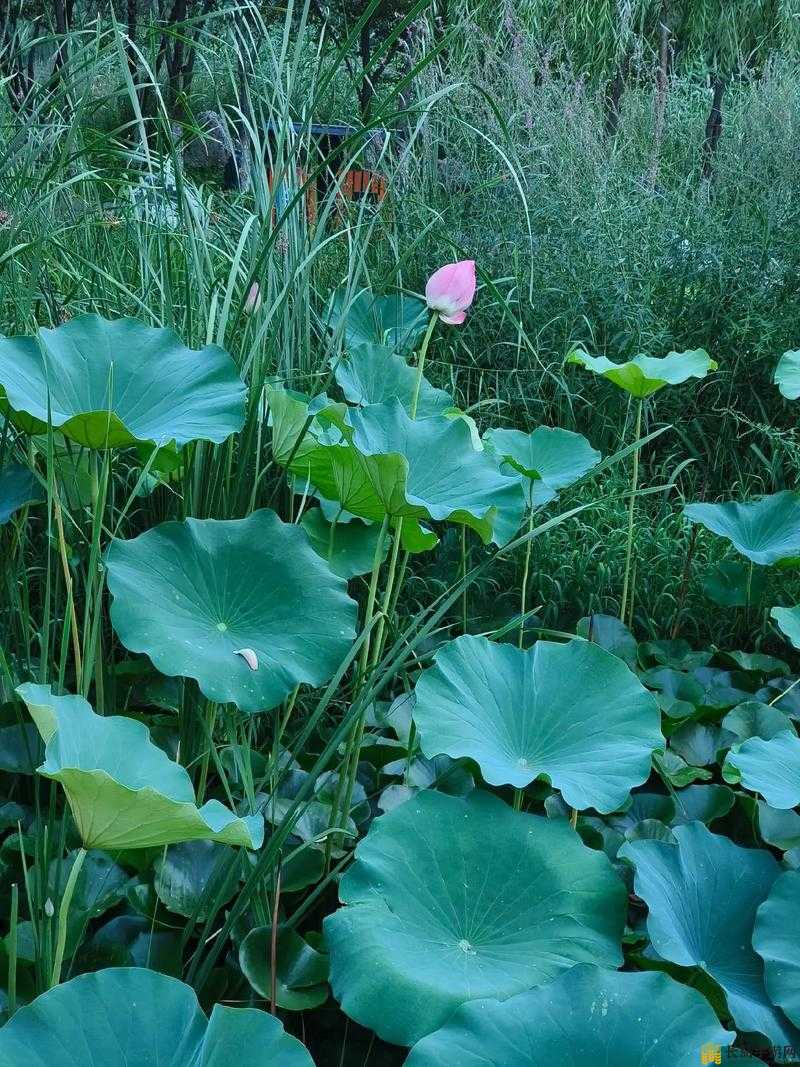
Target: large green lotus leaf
x,y
776,938
702,896
452,899
397,320
372,374
124,791
379,461
18,487
548,454
788,622
192,595
588,1015
765,530
787,375
134,1017
771,768
571,713
644,375
112,383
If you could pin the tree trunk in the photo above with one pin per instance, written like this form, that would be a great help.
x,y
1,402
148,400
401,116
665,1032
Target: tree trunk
x,y
713,125
615,93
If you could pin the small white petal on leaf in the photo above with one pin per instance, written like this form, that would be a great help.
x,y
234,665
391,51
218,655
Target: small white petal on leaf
x,y
249,656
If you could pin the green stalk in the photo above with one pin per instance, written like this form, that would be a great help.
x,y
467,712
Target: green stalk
x,y
63,915
631,505
347,776
525,572
12,951
421,364
463,573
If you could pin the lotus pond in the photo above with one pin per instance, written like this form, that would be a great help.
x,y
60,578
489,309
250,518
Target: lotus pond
x,y
268,794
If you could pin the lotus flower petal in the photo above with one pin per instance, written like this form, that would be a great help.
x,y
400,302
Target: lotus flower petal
x,y
451,290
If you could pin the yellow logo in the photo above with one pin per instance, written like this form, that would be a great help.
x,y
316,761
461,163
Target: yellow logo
x,y
711,1053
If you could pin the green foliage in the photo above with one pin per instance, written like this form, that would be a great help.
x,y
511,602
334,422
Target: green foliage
x,y
516,818
410,911
559,1020
83,1022
572,713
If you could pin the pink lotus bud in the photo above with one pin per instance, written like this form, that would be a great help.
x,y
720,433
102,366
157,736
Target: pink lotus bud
x,y
451,290
249,656
253,301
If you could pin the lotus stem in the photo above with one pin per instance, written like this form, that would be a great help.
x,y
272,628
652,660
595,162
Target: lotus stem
x,y
525,572
347,775
631,506
63,915
421,364
12,951
273,943
463,576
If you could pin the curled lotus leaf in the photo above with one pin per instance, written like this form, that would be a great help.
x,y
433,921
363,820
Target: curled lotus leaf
x,y
684,885
373,374
377,461
644,375
548,457
123,790
776,938
765,531
770,767
787,375
396,320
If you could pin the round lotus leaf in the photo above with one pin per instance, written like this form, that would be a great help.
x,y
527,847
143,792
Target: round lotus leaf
x,y
18,487
765,530
776,938
571,713
644,375
455,899
787,375
586,1016
548,454
134,1017
198,596
124,791
702,896
771,768
109,383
